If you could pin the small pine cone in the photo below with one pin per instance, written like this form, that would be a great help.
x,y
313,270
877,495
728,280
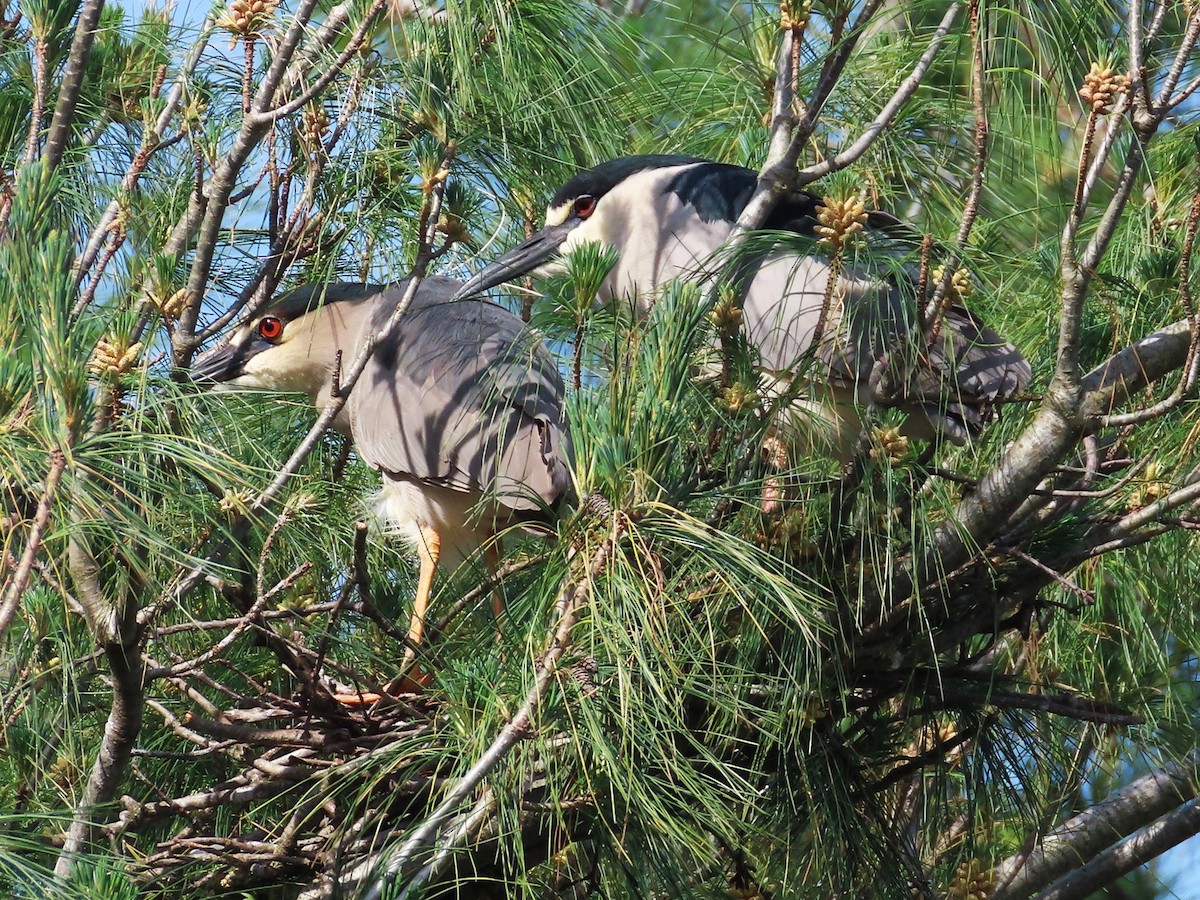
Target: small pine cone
x,y
1152,488
298,503
812,711
794,16
972,881
113,358
453,228
314,125
738,397
889,443
1101,87
960,284
727,316
840,219
235,502
171,307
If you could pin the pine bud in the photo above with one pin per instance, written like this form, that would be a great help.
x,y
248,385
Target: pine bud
x,y
960,284
794,16
113,358
888,443
840,219
171,307
739,396
1101,87
727,316
235,502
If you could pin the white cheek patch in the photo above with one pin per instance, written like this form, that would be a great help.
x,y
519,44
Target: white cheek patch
x,y
587,232
556,215
275,370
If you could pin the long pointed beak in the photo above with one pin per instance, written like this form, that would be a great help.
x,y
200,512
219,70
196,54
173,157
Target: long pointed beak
x,y
536,251
219,364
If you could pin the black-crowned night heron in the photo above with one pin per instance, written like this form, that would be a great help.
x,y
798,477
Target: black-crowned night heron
x,y
461,410
668,217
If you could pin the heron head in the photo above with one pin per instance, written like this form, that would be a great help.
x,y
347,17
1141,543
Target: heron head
x,y
293,345
577,214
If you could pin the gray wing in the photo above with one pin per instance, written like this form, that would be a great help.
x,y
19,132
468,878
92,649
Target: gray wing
x,y
967,370
953,383
464,396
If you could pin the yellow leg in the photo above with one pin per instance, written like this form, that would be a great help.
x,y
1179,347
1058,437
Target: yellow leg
x,y
492,559
428,551
413,679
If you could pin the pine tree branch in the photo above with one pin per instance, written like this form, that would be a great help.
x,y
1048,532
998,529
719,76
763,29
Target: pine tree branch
x,y
72,83
1157,838
890,110
1083,836
151,142
270,116
33,544
125,715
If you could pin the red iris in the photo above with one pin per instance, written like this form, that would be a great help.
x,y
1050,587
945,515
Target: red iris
x,y
270,328
584,206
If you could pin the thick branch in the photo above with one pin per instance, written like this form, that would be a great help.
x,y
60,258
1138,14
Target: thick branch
x,y
787,139
124,717
1165,833
1083,836
72,84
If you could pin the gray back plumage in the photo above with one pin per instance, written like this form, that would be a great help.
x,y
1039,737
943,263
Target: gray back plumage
x,y
463,396
670,219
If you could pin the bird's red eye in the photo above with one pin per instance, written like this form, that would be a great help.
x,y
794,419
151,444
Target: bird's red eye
x,y
270,328
584,206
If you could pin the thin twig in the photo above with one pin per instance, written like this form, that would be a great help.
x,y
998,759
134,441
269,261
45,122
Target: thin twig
x,y
33,544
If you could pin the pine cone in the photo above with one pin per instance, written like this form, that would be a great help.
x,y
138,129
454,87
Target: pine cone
x,y
840,219
888,443
1101,87
113,358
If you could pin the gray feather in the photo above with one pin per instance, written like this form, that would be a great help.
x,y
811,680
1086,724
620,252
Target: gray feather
x,y
465,397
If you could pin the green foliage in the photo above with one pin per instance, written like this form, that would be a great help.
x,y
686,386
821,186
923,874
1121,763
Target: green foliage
x,y
747,700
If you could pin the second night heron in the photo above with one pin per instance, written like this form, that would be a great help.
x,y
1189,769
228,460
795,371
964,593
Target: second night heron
x,y
461,410
669,217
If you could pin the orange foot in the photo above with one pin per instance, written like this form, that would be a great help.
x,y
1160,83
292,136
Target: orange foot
x,y
412,682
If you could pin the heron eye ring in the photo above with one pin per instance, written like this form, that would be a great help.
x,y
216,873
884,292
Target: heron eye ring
x,y
270,328
584,206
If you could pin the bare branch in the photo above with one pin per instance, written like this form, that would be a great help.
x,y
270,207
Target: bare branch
x,y
1086,834
788,138
331,72
33,544
1157,838
72,83
1165,100
971,207
888,114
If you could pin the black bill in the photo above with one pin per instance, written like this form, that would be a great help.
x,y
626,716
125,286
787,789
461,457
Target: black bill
x,y
219,364
536,251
